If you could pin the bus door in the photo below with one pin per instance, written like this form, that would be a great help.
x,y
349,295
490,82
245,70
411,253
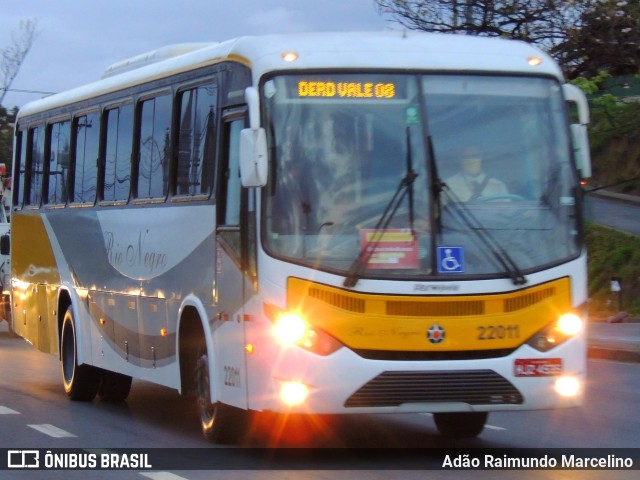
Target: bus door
x,y
31,310
229,330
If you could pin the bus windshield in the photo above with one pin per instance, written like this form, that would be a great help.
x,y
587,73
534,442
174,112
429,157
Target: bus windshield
x,y
419,176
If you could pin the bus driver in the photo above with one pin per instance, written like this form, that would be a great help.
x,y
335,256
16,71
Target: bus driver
x,y
471,182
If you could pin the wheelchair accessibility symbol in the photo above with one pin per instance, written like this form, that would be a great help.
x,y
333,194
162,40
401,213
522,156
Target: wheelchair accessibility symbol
x,y
450,259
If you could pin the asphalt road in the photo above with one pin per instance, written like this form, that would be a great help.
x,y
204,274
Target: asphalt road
x,y
623,215
34,413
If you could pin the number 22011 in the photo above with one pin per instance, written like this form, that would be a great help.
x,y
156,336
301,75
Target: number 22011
x,y
498,332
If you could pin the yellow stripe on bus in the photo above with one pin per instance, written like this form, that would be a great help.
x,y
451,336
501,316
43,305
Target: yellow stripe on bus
x,y
401,322
30,246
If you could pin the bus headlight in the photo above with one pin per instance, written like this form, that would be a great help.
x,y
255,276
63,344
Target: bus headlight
x,y
291,328
570,324
567,326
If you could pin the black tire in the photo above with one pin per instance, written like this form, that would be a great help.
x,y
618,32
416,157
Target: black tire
x,y
460,424
80,381
114,387
220,423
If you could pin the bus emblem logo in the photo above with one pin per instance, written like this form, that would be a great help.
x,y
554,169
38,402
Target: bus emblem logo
x,y
435,334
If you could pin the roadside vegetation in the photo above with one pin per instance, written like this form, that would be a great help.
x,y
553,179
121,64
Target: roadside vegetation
x,y
614,134
613,254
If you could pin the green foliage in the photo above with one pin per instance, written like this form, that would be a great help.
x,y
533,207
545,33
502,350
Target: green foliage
x,y
591,85
613,254
614,135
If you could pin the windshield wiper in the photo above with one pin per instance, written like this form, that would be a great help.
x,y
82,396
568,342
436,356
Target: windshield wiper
x,y
436,186
474,225
368,249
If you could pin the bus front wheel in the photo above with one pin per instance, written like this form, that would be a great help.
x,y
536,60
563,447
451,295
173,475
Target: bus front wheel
x,y
220,423
460,424
80,381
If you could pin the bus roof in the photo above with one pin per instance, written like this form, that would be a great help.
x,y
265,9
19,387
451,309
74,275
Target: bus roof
x,y
391,50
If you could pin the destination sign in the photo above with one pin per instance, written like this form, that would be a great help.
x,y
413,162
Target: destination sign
x,y
346,89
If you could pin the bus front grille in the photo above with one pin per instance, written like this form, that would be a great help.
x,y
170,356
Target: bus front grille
x,y
474,387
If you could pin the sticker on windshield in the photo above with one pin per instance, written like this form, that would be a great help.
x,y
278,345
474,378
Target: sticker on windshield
x,y
413,116
450,259
392,248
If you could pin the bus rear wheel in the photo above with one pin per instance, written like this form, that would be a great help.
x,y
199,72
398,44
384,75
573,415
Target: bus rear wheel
x,y
80,381
220,423
460,424
114,387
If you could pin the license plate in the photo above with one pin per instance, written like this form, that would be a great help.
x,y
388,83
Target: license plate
x,y
537,367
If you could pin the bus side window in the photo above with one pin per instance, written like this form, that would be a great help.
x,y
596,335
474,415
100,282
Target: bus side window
x,y
154,150
35,161
231,174
85,169
20,169
197,140
58,165
117,168
230,187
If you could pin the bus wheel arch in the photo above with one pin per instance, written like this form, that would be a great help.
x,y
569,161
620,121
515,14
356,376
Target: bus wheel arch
x,y
219,422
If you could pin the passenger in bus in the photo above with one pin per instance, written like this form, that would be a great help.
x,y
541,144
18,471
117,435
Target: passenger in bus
x,y
472,183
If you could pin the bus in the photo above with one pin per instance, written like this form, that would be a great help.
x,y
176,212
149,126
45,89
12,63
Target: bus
x,y
268,224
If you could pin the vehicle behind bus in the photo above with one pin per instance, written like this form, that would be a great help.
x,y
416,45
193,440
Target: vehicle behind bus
x,y
5,257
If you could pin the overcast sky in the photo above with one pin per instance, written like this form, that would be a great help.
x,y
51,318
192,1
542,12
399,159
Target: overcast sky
x,y
78,39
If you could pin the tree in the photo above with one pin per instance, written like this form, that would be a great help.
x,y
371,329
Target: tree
x,y
584,36
6,134
541,22
13,55
608,40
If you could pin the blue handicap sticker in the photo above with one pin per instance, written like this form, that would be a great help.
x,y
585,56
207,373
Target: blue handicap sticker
x,y
450,259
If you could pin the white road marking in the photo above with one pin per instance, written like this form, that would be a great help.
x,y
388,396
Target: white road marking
x,y
493,427
7,411
162,476
52,431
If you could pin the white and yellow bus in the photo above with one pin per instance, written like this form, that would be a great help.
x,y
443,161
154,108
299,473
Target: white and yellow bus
x,y
269,224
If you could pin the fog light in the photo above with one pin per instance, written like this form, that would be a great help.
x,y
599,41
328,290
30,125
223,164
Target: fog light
x,y
293,393
567,386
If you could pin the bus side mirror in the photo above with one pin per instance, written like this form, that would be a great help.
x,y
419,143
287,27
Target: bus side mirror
x,y
253,157
581,149
253,145
580,137
5,244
